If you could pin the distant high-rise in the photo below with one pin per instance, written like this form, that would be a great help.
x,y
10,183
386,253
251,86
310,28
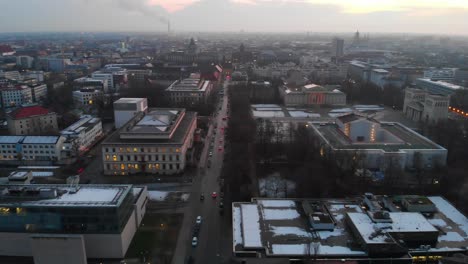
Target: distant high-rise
x,y
337,47
357,38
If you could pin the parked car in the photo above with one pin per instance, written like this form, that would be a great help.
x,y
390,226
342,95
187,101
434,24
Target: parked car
x,y
194,241
202,197
199,220
209,164
221,205
214,195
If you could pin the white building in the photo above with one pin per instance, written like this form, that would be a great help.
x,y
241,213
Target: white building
x,y
86,96
11,75
39,92
126,108
69,224
441,74
32,120
381,144
437,87
84,132
192,90
419,105
25,62
16,96
157,142
30,148
37,75
312,94
106,78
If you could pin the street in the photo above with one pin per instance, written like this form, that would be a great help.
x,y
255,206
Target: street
x,y
214,236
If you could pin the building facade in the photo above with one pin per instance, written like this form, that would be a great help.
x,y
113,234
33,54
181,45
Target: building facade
x,y
32,120
55,222
337,48
30,148
126,108
84,132
192,90
312,94
157,142
437,87
420,105
16,96
87,96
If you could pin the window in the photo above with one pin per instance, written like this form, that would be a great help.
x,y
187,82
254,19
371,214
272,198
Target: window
x,y
122,166
135,150
177,157
163,157
114,157
136,166
177,150
107,150
128,157
107,157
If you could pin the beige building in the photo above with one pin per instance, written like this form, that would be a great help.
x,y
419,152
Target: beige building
x,y
193,90
312,94
419,105
157,142
32,120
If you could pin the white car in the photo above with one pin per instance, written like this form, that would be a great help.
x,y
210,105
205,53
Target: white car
x,y
194,241
198,221
210,154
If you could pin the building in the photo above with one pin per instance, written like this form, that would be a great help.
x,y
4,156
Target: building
x,y
378,77
32,120
16,95
6,50
312,94
419,105
337,48
25,62
368,229
86,82
14,149
37,75
52,223
83,133
192,90
380,144
437,87
11,75
39,92
87,96
57,64
157,142
126,108
106,78
138,75
440,74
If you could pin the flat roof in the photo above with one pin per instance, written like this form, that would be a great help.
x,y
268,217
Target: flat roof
x,y
411,140
442,83
129,100
178,137
80,196
40,139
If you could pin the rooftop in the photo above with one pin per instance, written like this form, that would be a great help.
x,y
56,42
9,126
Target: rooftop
x,y
129,100
29,139
400,137
192,84
52,195
442,83
158,126
85,123
25,112
282,228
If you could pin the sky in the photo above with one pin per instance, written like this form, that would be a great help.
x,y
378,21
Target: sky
x,y
395,16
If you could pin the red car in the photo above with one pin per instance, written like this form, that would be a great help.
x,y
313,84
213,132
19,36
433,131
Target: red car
x,y
214,195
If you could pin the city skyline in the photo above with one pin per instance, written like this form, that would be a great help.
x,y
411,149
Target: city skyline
x,y
390,16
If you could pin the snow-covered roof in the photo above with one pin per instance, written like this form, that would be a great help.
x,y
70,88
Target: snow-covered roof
x,y
40,139
10,139
401,222
451,213
251,226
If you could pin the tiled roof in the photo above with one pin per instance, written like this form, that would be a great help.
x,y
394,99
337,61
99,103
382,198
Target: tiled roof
x,y
25,112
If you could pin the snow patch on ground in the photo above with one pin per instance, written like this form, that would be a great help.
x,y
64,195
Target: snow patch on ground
x,y
437,222
157,195
274,186
280,214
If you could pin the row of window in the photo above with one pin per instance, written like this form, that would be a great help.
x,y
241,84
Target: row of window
x,y
155,166
149,150
142,158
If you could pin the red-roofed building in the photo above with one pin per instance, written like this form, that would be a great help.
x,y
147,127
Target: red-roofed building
x,y
6,50
32,120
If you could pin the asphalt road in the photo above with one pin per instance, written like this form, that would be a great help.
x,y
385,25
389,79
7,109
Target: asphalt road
x,y
214,236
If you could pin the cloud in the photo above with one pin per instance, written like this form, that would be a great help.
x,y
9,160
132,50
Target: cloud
x,y
172,5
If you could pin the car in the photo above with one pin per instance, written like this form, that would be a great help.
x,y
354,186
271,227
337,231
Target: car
x,y
202,197
221,205
220,141
221,194
220,149
196,230
209,164
221,211
210,154
199,220
194,241
214,195
224,118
